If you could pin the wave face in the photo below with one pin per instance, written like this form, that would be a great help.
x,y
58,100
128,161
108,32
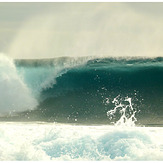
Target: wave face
x,y
82,90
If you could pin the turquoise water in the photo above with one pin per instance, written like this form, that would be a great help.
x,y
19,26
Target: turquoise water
x,y
67,89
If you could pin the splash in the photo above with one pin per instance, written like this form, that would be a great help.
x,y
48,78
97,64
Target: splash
x,y
21,88
123,107
15,95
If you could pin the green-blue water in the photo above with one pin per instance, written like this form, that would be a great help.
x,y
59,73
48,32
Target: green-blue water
x,y
77,90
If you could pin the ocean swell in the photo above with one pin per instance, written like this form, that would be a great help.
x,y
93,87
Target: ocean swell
x,y
81,90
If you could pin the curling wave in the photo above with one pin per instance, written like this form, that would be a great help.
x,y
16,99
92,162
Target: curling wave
x,y
82,89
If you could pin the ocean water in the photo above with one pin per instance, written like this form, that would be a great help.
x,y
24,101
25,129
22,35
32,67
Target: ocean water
x,y
81,109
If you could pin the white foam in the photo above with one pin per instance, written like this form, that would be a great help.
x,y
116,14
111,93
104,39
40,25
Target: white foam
x,y
126,111
14,94
69,142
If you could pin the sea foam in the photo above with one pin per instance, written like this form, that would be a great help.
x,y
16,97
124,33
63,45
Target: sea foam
x,y
49,141
15,95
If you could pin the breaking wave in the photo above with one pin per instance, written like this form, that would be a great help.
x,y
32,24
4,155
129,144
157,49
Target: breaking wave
x,y
82,90
15,95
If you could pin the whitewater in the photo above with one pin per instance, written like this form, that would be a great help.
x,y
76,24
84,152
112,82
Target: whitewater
x,y
49,141
81,108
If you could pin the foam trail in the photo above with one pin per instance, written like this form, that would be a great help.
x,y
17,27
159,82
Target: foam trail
x,y
15,95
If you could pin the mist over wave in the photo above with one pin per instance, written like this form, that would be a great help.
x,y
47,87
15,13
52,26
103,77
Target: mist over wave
x,y
89,29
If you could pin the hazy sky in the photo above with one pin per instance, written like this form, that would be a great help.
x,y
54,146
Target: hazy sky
x,y
42,30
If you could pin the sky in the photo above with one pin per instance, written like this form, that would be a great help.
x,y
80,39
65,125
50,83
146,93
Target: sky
x,y
47,30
